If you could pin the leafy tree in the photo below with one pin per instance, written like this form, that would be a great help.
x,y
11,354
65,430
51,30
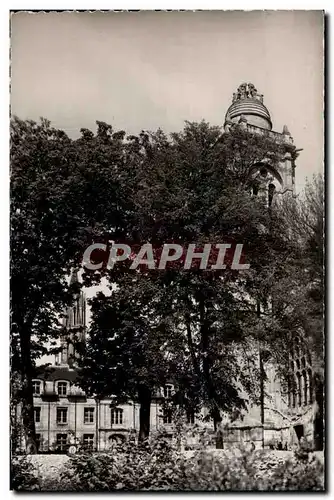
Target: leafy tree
x,y
296,288
58,194
124,356
193,188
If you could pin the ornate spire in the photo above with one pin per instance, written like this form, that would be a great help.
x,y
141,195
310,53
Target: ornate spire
x,y
247,91
248,102
74,324
252,92
285,130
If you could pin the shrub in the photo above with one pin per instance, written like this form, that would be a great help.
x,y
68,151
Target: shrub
x,y
23,475
158,465
298,475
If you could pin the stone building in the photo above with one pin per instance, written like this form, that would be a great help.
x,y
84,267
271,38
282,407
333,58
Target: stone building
x,y
248,112
290,411
65,416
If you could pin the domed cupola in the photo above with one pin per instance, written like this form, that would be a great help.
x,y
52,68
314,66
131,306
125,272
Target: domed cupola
x,y
248,103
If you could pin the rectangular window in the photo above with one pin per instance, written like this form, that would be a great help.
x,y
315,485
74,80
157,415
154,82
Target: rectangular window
x,y
168,389
36,387
37,414
61,441
62,388
88,441
168,414
89,415
61,415
116,416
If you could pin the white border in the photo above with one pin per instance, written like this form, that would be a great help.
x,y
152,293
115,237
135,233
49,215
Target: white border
x,y
4,180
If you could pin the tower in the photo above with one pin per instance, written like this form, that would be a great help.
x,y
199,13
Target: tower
x,y
248,112
74,324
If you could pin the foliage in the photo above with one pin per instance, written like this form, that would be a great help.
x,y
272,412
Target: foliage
x,y
298,476
158,465
58,196
23,476
193,187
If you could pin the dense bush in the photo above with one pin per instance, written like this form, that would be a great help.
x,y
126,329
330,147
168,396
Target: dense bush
x,y
298,475
23,476
157,465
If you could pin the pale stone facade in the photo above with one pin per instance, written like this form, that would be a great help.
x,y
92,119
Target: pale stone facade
x,y
248,112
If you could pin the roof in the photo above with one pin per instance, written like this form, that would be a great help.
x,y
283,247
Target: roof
x,y
248,106
51,373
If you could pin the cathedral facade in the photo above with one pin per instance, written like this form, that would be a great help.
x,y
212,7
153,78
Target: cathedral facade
x,y
67,419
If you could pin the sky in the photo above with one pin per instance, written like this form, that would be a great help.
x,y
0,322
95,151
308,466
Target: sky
x,y
157,69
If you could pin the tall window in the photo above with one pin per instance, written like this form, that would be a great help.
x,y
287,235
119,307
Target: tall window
x,y
168,416
310,387
271,192
255,189
294,397
36,387
305,388
88,441
37,414
301,370
299,389
61,415
62,388
168,390
116,416
89,415
61,441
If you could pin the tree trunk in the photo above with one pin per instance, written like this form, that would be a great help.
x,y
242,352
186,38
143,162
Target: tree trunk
x,y
211,391
27,399
217,422
145,397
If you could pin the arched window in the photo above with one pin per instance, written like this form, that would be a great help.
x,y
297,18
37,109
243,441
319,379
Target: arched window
x,y
293,390
294,397
304,386
264,172
299,390
271,192
116,416
309,360
310,386
255,189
